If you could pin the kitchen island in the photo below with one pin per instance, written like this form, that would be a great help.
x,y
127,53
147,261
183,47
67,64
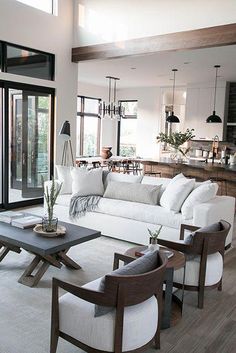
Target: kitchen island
x,y
224,175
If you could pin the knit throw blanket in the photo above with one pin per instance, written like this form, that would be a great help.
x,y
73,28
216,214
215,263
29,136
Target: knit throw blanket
x,y
79,205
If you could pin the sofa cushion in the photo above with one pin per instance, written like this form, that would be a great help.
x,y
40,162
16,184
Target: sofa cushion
x,y
144,264
214,271
156,181
203,193
176,192
77,320
128,178
63,200
64,176
134,192
87,182
140,212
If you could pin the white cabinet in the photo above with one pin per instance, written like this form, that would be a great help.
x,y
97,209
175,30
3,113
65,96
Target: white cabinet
x,y
199,105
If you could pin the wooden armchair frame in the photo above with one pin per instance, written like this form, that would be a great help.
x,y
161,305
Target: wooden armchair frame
x,y
120,291
203,244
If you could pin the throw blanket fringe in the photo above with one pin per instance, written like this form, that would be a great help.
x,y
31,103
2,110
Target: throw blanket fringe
x,y
79,205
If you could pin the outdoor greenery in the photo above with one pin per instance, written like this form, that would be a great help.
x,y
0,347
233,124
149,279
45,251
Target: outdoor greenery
x,y
177,139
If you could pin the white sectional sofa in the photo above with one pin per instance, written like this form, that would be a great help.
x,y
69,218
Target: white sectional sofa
x,y
129,221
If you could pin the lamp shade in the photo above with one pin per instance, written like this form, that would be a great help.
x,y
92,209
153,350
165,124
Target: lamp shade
x,y
172,118
65,130
214,118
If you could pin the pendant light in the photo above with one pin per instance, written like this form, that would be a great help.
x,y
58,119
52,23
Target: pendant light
x,y
173,118
111,109
214,118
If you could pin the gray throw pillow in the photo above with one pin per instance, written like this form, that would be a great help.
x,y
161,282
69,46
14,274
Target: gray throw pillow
x,y
134,192
215,227
143,264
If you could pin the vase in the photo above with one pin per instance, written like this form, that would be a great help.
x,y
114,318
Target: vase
x,y
49,224
106,152
153,244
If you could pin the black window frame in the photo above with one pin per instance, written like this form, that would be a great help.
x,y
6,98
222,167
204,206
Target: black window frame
x,y
3,59
6,85
84,114
126,116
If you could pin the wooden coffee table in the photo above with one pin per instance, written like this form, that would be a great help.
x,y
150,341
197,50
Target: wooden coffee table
x,y
175,262
47,251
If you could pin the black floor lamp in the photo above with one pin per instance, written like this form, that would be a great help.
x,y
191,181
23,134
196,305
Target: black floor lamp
x,y
67,148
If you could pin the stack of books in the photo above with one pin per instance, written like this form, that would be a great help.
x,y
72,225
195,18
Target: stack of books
x,y
8,216
20,220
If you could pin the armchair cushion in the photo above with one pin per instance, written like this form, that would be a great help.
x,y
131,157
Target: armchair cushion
x,y
77,320
214,271
143,264
212,228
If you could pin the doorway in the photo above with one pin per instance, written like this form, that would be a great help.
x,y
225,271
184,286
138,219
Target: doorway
x,y
28,143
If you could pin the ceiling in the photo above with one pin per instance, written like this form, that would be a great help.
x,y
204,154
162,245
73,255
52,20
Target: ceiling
x,y
194,66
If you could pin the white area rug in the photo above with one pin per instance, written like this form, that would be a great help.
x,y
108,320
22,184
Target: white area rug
x,y
25,312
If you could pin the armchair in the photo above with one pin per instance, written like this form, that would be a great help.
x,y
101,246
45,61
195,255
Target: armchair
x,y
204,259
135,298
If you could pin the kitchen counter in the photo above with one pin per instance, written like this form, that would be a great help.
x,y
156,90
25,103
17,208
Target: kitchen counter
x,y
224,175
190,163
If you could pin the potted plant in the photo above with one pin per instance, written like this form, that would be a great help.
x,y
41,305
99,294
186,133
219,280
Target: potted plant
x,y
176,140
153,238
49,222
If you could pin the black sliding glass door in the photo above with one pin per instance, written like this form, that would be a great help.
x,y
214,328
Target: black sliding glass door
x,y
28,142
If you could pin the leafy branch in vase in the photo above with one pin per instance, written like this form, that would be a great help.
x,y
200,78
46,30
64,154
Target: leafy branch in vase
x,y
51,197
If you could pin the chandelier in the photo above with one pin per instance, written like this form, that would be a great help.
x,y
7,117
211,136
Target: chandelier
x,y
111,109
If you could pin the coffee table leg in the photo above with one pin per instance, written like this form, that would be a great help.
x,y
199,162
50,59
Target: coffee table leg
x,y
5,248
67,261
30,280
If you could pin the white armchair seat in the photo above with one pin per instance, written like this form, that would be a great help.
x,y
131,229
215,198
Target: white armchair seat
x,y
214,271
76,318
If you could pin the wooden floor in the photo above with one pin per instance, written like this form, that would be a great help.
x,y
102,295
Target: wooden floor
x,y
213,329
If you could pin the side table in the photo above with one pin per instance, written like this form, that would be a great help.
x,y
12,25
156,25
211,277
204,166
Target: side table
x,y
174,263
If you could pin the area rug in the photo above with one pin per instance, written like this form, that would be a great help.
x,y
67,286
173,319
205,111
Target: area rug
x,y
25,312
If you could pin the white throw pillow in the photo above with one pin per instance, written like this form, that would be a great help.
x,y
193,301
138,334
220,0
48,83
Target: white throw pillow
x,y
176,192
202,193
87,182
127,178
64,176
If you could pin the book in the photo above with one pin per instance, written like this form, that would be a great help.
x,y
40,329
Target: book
x,y
26,222
8,216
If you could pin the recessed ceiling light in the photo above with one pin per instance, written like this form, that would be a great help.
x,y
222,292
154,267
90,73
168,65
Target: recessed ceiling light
x,y
133,68
187,62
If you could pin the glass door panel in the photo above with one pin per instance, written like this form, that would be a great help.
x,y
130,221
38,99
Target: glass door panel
x,y
29,143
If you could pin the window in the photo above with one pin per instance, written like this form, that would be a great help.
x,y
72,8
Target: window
x,y
43,5
88,127
18,60
21,61
127,129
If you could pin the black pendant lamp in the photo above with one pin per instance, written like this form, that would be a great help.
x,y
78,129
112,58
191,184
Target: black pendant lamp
x,y
214,118
173,118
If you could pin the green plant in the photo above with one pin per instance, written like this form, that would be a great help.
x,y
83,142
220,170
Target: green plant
x,y
177,139
154,234
51,197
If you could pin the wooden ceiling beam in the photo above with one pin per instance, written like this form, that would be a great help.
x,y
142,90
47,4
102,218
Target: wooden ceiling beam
x,y
194,39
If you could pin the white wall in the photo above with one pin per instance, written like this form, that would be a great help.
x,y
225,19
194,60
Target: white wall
x,y
149,117
111,20
24,25
199,105
108,126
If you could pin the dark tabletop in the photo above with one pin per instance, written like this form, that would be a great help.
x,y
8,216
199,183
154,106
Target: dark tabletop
x,y
32,242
